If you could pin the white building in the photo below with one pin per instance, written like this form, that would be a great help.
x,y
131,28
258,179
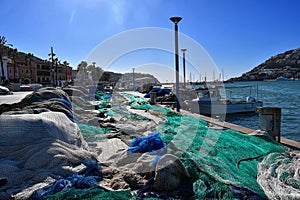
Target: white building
x,y
139,82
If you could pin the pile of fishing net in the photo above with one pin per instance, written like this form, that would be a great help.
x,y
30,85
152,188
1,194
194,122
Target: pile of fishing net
x,y
223,162
44,99
39,143
215,157
34,147
185,157
279,175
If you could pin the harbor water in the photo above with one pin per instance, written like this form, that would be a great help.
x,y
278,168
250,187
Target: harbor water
x,y
282,94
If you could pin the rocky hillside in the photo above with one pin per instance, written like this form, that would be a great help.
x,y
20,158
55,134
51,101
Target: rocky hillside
x,y
285,64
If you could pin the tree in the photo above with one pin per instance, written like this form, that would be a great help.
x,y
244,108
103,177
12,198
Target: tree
x,y
91,71
82,69
28,59
13,54
66,65
52,54
98,73
2,46
105,76
56,71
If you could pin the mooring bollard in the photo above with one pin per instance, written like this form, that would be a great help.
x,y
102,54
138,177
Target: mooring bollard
x,y
270,121
152,98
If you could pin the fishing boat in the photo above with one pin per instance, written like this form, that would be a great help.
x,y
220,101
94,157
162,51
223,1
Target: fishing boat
x,y
210,101
281,78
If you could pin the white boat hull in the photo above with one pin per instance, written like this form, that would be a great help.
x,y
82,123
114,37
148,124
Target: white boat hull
x,y
222,107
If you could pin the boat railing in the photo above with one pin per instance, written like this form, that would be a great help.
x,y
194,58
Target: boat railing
x,y
239,93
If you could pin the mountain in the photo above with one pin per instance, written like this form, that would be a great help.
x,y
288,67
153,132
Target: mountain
x,y
285,64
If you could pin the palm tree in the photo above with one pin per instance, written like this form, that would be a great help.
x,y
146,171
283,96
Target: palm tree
x,y
28,58
82,69
98,73
2,45
91,70
56,72
14,53
66,64
52,54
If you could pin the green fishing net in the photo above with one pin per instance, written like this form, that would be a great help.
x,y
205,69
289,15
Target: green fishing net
x,y
217,159
91,194
108,111
143,104
212,155
138,102
92,133
216,153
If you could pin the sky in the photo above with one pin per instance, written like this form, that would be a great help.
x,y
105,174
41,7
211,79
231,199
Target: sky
x,y
230,36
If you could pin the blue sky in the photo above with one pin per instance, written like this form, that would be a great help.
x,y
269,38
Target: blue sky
x,y
236,34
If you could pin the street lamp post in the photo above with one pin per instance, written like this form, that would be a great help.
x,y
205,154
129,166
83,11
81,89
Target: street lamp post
x,y
133,81
183,56
176,20
93,72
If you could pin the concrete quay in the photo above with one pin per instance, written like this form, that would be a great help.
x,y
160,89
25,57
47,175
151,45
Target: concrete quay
x,y
287,142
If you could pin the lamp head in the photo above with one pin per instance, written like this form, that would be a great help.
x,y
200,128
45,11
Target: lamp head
x,y
183,50
176,20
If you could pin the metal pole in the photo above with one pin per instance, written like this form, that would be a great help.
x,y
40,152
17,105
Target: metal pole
x,y
56,81
133,82
93,72
176,20
66,73
183,52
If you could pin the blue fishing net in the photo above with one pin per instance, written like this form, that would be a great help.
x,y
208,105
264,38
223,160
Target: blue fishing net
x,y
149,143
89,177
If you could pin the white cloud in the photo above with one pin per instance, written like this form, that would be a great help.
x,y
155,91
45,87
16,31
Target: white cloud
x,y
72,16
118,13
